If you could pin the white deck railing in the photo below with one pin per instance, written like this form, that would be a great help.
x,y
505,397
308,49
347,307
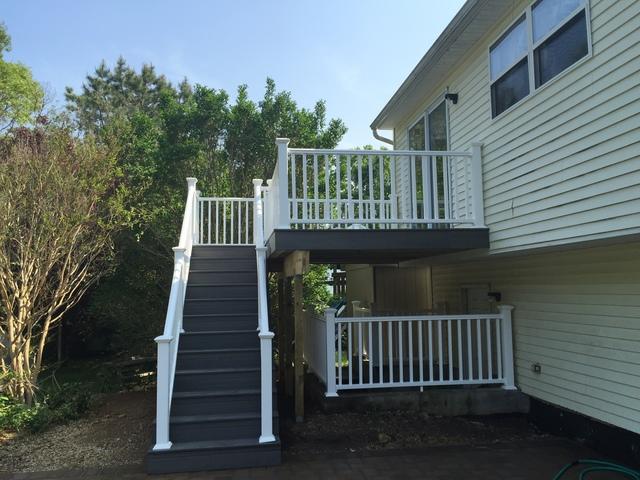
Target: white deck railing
x,y
317,188
225,221
411,351
168,341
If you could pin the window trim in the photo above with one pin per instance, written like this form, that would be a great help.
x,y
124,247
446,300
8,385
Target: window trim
x,y
532,46
424,117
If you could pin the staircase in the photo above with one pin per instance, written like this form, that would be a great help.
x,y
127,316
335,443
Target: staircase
x,y
215,408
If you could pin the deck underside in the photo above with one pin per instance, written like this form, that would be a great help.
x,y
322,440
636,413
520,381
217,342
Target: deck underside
x,y
373,246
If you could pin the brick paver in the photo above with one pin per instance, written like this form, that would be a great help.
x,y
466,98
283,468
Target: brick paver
x,y
531,460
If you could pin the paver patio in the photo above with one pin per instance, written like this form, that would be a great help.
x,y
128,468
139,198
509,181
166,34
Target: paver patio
x,y
537,459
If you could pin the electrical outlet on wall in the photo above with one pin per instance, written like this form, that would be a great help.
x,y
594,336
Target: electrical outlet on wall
x,y
536,368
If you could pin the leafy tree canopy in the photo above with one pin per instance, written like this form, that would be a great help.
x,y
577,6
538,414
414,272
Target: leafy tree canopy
x,y
21,97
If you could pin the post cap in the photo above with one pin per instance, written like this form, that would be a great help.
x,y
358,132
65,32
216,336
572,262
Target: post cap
x,y
179,249
257,182
330,311
191,181
282,140
505,307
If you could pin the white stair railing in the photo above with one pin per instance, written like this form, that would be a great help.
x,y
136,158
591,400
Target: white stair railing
x,y
168,341
266,336
225,221
425,350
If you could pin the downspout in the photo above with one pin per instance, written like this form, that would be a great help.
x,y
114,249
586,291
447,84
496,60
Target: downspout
x,y
377,136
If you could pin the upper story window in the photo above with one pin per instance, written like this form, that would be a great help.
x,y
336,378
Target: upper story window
x,y
549,37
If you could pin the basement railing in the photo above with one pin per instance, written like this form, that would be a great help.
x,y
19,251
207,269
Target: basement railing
x,y
410,351
375,189
168,341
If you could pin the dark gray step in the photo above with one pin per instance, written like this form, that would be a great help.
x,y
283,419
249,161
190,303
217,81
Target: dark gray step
x,y
212,379
223,290
213,455
221,305
220,339
225,426
224,264
218,358
216,401
220,322
207,251
199,277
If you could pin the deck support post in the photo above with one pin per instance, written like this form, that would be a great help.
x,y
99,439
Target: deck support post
x,y
299,346
507,347
280,329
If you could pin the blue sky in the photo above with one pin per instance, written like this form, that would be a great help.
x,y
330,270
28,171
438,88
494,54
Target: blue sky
x,y
352,53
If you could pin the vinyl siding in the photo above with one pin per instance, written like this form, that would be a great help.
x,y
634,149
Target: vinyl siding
x,y
577,313
563,165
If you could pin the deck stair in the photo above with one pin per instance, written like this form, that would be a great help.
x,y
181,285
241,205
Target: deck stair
x,y
215,409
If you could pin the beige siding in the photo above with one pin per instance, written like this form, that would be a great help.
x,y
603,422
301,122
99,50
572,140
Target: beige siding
x,y
563,165
359,286
576,313
402,291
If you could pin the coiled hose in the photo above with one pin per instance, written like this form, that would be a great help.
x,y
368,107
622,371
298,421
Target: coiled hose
x,y
593,466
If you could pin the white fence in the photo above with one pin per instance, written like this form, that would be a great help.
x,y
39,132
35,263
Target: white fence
x,y
315,352
225,221
376,189
429,350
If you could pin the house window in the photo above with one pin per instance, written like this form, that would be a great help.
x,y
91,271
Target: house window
x,y
547,39
416,136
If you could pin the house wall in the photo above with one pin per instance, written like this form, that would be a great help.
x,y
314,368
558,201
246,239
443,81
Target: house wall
x,y
359,286
564,164
402,290
577,314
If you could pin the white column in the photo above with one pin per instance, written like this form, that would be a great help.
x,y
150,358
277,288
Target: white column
x,y
507,347
163,393
258,209
477,192
266,396
330,318
191,190
283,184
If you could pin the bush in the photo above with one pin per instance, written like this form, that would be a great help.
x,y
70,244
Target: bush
x,y
68,402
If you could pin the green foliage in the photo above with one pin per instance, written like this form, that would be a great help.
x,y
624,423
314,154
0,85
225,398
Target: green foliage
x,y
68,402
165,133
21,97
316,292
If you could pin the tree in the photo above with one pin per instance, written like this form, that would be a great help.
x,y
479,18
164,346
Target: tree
x,y
163,134
21,97
58,210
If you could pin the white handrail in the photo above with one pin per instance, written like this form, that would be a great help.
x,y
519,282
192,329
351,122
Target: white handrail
x,y
378,189
417,350
266,336
168,341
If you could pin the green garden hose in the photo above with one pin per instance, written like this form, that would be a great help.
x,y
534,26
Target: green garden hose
x,y
593,466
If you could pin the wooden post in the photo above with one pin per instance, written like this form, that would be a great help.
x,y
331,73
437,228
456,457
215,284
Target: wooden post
x,y
299,345
282,309
288,338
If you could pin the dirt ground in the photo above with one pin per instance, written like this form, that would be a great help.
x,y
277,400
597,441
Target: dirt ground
x,y
118,432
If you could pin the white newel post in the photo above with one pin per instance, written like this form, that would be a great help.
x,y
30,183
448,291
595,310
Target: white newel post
x,y
266,337
330,318
191,188
507,347
282,221
477,193
163,393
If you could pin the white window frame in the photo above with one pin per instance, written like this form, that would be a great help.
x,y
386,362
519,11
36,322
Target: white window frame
x,y
531,47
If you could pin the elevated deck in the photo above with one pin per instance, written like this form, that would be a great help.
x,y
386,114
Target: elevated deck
x,y
373,246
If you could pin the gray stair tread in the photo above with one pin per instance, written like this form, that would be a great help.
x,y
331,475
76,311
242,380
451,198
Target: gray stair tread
x,y
225,299
217,393
217,417
219,350
219,332
216,370
224,284
221,444
222,270
220,315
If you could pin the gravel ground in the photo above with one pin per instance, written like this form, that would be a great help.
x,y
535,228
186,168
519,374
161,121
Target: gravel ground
x,y
117,432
